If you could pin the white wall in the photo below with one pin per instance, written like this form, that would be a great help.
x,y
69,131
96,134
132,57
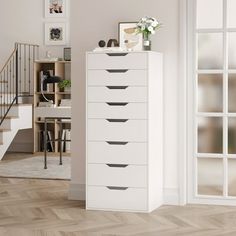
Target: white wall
x,y
23,21
94,20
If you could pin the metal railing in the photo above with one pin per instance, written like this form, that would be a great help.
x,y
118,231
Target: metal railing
x,y
16,76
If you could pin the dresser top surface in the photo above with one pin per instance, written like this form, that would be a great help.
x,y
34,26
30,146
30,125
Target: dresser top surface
x,y
122,52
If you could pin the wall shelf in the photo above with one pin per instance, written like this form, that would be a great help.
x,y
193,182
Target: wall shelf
x,y
63,70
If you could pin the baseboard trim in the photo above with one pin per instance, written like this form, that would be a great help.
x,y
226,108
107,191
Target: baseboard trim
x,y
77,192
171,196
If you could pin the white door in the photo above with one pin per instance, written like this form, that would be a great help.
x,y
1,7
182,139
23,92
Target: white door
x,y
212,102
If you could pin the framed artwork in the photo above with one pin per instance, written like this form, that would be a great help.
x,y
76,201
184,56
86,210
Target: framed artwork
x,y
55,34
55,8
128,37
67,54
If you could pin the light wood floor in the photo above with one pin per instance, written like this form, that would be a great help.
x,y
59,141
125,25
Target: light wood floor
x,y
40,208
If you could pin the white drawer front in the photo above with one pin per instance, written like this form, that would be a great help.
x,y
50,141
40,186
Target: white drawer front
x,y
129,199
117,110
104,130
117,77
117,94
116,175
117,61
117,152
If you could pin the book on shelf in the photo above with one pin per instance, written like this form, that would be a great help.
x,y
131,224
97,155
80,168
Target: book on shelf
x,y
63,143
50,140
49,145
67,143
66,136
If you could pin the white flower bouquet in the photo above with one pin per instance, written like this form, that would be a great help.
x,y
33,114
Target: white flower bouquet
x,y
147,26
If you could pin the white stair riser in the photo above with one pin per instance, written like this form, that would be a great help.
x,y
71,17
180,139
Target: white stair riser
x,y
24,121
7,138
1,138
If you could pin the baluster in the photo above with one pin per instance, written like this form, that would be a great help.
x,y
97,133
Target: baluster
x,y
2,106
10,82
1,97
14,72
4,91
29,68
34,48
19,84
7,84
24,82
18,62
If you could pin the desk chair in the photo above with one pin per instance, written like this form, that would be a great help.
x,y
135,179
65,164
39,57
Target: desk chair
x,y
46,140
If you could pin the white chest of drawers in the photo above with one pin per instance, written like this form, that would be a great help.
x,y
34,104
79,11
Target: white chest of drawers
x,y
124,138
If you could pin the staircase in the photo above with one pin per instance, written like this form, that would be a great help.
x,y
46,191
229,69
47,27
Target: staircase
x,y
16,87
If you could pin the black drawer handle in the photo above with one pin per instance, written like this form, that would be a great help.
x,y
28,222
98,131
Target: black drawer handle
x,y
117,103
117,120
117,165
117,54
117,87
117,143
117,71
117,188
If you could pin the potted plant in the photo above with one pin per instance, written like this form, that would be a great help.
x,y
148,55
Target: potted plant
x,y
65,85
147,27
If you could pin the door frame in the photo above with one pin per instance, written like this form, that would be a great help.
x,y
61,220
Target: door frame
x,y
187,136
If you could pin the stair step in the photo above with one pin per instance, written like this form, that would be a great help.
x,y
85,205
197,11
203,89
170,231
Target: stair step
x,y
4,130
19,104
10,117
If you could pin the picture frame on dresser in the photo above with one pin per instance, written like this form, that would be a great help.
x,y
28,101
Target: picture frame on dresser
x,y
128,38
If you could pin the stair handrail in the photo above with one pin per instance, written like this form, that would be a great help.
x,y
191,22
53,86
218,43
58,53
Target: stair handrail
x,y
16,76
4,66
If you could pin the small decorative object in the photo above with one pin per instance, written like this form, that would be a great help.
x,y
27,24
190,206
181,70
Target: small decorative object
x,y
55,8
47,78
147,26
128,37
67,54
55,33
65,84
48,55
114,42
101,43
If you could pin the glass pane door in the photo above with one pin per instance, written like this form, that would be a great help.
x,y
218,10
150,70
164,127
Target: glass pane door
x,y
214,157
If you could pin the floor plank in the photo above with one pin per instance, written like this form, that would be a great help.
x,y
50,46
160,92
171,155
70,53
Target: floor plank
x,y
31,207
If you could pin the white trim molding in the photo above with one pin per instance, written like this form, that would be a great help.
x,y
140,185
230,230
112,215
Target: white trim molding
x,y
77,192
182,107
171,196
